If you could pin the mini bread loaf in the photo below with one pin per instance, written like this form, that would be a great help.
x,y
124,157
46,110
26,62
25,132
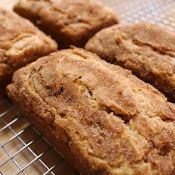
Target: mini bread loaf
x,y
146,49
102,119
69,22
20,43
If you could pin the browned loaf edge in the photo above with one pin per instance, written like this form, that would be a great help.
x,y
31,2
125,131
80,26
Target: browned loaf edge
x,y
146,49
67,21
101,118
20,43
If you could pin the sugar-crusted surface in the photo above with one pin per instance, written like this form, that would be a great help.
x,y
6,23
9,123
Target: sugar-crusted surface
x,y
100,117
69,22
20,43
147,50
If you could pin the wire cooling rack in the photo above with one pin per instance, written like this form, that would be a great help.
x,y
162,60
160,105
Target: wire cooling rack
x,y
23,150
161,12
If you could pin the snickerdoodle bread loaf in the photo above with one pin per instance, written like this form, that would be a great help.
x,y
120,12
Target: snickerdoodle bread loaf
x,y
102,119
67,21
20,43
146,49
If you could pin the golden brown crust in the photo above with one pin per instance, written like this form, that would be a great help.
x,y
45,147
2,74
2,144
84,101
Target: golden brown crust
x,y
100,117
147,50
20,43
69,22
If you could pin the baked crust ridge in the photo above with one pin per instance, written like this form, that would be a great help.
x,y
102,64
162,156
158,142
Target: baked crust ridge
x,y
145,49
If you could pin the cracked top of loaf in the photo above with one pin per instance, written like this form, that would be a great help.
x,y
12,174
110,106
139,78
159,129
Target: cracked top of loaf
x,y
20,43
146,49
68,21
112,122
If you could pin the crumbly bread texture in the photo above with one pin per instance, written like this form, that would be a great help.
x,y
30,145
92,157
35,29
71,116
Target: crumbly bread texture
x,y
20,43
102,119
67,21
146,49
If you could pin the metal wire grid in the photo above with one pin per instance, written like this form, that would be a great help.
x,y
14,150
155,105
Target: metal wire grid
x,y
161,12
21,134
